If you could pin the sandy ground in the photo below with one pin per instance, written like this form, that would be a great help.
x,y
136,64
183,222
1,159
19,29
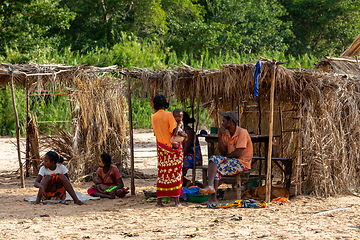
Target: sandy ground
x,y
131,217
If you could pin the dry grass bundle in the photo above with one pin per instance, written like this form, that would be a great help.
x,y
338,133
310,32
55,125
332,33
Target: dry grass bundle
x,y
327,105
100,125
331,134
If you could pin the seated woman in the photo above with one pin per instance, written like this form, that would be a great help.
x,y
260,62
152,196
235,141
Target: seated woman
x,y
107,176
188,147
53,180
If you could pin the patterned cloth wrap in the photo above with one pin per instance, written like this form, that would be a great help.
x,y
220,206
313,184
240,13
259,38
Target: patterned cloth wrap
x,y
238,204
227,166
169,180
59,194
189,158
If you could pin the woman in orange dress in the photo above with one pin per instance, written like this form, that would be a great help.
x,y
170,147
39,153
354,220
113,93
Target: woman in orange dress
x,y
170,160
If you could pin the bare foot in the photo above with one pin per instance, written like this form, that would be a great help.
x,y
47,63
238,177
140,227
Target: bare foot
x,y
177,202
37,201
159,203
207,190
78,202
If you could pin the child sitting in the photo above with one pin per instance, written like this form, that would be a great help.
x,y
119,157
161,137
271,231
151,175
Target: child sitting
x,y
179,134
101,187
108,181
53,180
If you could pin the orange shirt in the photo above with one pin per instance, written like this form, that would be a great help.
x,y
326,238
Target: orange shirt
x,y
163,124
240,139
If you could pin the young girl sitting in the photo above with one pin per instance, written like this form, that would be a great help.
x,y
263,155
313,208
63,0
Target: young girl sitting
x,y
108,182
179,134
53,180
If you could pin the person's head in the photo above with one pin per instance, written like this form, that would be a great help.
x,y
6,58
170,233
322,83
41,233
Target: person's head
x,y
187,120
51,158
97,180
105,160
230,118
178,114
160,102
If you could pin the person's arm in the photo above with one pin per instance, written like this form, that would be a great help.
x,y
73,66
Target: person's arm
x,y
120,185
236,153
222,146
189,142
38,185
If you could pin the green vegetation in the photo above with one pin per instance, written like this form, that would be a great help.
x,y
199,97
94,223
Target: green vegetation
x,y
163,33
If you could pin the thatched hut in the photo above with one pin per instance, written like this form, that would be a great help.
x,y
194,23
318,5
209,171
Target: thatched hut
x,y
316,116
98,114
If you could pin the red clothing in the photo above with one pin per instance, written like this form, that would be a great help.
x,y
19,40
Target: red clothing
x,y
163,124
111,176
240,139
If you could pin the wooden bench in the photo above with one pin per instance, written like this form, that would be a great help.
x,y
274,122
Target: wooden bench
x,y
236,180
286,168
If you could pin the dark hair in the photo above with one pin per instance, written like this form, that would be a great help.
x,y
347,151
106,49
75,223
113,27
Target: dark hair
x,y
54,157
160,102
178,110
187,119
106,159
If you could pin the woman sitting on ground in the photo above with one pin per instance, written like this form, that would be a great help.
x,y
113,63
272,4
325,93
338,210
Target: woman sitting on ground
x,y
108,175
53,180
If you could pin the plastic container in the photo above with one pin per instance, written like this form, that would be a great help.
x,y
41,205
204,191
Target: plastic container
x,y
149,193
197,198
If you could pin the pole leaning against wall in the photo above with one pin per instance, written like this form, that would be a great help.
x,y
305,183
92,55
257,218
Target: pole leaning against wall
x,y
17,129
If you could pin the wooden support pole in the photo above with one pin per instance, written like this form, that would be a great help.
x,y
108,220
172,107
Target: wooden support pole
x,y
196,130
271,124
27,154
17,131
298,177
132,174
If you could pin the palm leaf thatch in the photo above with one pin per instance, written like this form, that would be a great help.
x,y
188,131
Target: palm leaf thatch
x,y
99,118
323,111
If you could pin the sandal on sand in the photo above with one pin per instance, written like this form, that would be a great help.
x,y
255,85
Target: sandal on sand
x,y
207,190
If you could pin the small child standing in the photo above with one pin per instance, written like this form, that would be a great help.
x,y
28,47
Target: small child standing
x,y
179,134
53,180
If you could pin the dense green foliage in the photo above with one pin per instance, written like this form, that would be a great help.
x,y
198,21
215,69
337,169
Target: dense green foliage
x,y
155,33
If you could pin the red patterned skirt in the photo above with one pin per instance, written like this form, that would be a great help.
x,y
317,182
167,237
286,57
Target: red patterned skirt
x,y
169,180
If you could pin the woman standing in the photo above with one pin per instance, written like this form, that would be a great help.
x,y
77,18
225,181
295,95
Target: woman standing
x,y
170,160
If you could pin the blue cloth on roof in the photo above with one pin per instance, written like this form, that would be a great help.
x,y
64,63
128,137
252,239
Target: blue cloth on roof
x,y
256,78
194,190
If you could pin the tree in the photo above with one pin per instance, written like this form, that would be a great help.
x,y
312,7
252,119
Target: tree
x,y
322,26
234,26
28,23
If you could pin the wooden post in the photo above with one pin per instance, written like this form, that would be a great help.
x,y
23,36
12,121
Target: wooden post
x,y
17,131
131,138
27,155
196,130
260,162
271,124
298,147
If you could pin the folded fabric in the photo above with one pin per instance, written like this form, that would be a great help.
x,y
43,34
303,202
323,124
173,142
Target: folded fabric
x,y
192,190
281,200
256,78
238,204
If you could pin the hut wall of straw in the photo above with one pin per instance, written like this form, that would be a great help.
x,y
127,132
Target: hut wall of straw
x,y
99,118
100,125
326,105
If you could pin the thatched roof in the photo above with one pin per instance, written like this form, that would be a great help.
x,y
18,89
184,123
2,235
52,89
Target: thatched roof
x,y
45,75
353,49
344,66
99,110
325,107
230,84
